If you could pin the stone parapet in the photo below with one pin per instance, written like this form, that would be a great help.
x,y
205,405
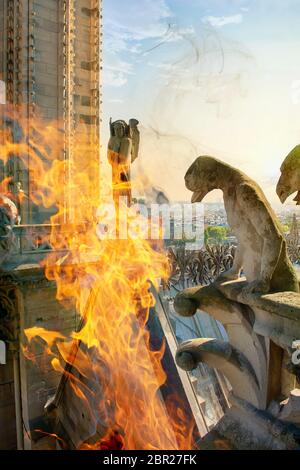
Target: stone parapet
x,y
256,359
33,304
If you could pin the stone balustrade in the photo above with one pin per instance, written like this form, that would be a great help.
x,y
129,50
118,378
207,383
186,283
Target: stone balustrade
x,y
256,359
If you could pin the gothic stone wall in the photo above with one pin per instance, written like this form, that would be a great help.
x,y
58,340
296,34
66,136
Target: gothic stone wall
x,y
37,306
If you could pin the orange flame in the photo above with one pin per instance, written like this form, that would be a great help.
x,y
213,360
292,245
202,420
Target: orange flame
x,y
109,282
53,436
4,186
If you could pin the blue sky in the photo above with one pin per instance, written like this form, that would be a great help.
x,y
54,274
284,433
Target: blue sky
x,y
215,76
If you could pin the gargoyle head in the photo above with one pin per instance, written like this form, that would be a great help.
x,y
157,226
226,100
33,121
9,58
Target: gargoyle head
x,y
202,177
289,181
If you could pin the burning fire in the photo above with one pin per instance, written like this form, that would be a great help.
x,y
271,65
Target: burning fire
x,y
108,281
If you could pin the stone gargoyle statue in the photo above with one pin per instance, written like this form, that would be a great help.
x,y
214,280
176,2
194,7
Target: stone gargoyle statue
x,y
260,328
123,149
261,253
8,217
289,181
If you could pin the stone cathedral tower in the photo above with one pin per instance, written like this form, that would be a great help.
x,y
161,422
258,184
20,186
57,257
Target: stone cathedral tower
x,y
50,61
50,67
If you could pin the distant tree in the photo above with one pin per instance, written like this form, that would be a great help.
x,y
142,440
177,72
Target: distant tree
x,y
183,241
215,234
285,228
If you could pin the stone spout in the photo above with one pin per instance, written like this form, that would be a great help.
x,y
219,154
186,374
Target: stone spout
x,y
237,319
222,356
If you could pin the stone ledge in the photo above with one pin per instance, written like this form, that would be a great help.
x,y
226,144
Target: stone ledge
x,y
283,304
33,274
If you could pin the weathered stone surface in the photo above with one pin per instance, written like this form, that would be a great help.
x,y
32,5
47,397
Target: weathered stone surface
x,y
291,408
37,306
238,320
73,419
285,304
289,181
48,64
122,150
277,316
7,406
222,356
247,428
261,251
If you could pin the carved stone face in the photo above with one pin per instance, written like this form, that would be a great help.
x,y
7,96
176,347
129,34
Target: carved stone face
x,y
119,130
133,122
201,178
289,181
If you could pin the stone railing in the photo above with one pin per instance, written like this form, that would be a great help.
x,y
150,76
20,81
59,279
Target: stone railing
x,y
200,266
30,238
256,359
30,245
205,265
294,251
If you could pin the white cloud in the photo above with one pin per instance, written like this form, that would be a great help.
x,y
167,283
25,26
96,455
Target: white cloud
x,y
115,79
161,65
115,100
135,49
219,21
134,21
126,25
116,64
115,70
